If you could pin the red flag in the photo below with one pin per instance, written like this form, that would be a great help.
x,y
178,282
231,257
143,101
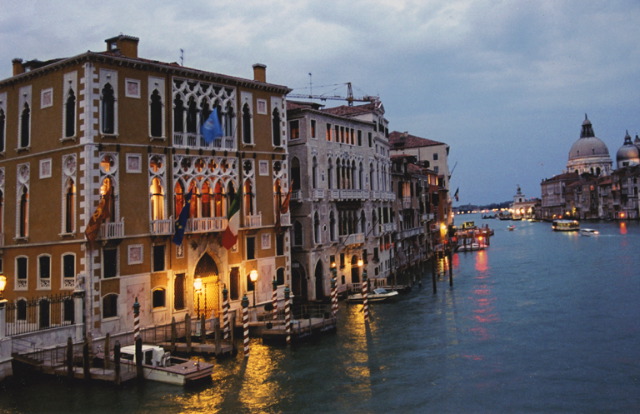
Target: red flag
x,y
284,207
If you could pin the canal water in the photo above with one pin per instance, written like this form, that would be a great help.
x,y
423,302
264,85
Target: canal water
x,y
539,322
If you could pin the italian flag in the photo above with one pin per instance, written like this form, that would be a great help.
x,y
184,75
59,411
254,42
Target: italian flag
x,y
230,235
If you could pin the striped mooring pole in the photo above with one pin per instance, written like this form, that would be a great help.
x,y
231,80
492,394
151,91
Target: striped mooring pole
x,y
334,297
274,299
245,324
287,313
136,320
225,311
365,295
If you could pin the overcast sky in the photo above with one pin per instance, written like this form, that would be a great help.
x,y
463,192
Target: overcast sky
x,y
505,83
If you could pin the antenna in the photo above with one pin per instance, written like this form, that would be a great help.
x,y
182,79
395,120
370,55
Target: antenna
x,y
310,85
181,57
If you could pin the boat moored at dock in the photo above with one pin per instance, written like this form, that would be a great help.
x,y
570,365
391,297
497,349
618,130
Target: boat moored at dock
x,y
161,366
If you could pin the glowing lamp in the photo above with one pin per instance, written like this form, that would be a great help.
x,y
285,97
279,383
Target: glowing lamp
x,y
360,262
197,284
3,284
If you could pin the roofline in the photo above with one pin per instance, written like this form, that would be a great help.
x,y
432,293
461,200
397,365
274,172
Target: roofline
x,y
141,63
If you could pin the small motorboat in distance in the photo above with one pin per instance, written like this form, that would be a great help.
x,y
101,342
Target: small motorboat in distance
x,y
378,295
589,232
161,366
511,228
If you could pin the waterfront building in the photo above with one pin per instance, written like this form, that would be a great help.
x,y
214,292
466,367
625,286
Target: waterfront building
x,y
418,195
433,155
341,204
590,189
102,153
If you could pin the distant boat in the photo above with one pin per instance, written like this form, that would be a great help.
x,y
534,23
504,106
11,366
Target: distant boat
x,y
565,225
589,232
511,228
378,295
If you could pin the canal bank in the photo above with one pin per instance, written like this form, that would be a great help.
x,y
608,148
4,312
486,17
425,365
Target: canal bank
x,y
540,322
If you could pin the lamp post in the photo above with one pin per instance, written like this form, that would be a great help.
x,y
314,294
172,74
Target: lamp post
x,y
253,275
197,286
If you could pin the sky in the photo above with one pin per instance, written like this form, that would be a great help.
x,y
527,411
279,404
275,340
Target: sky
x,y
506,84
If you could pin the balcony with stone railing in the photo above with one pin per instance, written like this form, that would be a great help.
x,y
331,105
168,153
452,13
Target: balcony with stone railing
x,y
162,227
352,239
206,224
196,141
112,230
253,221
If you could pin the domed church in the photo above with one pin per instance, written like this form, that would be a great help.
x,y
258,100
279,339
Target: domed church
x,y
589,154
628,155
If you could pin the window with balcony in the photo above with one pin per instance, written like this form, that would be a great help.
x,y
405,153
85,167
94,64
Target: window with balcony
x,y
21,272
44,271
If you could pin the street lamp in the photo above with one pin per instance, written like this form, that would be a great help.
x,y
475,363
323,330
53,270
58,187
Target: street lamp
x,y
197,286
253,275
3,284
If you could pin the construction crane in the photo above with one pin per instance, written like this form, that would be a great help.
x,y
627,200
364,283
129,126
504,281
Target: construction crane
x,y
349,98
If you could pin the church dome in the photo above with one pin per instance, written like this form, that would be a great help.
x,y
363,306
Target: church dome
x,y
628,154
589,154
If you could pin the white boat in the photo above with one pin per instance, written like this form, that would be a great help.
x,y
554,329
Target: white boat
x,y
589,232
511,228
565,225
378,295
161,366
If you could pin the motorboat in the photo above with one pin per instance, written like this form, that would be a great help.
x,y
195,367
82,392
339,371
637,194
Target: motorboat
x,y
377,295
565,225
161,366
511,228
589,232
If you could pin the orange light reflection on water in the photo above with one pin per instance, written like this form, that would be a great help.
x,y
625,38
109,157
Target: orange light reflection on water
x,y
623,227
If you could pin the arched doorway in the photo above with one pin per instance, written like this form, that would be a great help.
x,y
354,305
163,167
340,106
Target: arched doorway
x,y
206,301
319,281
298,282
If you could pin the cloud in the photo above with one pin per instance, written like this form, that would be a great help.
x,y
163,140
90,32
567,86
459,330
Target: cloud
x,y
504,83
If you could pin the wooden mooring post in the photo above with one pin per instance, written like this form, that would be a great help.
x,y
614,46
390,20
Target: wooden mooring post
x,y
116,362
70,357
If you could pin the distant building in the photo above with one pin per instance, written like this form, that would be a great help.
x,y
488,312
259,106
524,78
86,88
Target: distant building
x,y
434,156
341,206
522,207
110,143
590,189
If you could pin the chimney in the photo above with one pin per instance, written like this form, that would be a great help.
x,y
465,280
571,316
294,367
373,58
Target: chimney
x,y
260,72
124,45
18,66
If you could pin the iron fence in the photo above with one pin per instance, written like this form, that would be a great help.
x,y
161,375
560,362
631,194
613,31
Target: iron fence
x,y
37,314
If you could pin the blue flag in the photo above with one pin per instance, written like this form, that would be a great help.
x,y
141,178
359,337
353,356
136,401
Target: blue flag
x,y
211,129
181,223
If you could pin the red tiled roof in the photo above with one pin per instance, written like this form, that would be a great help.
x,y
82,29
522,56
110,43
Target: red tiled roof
x,y
406,140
